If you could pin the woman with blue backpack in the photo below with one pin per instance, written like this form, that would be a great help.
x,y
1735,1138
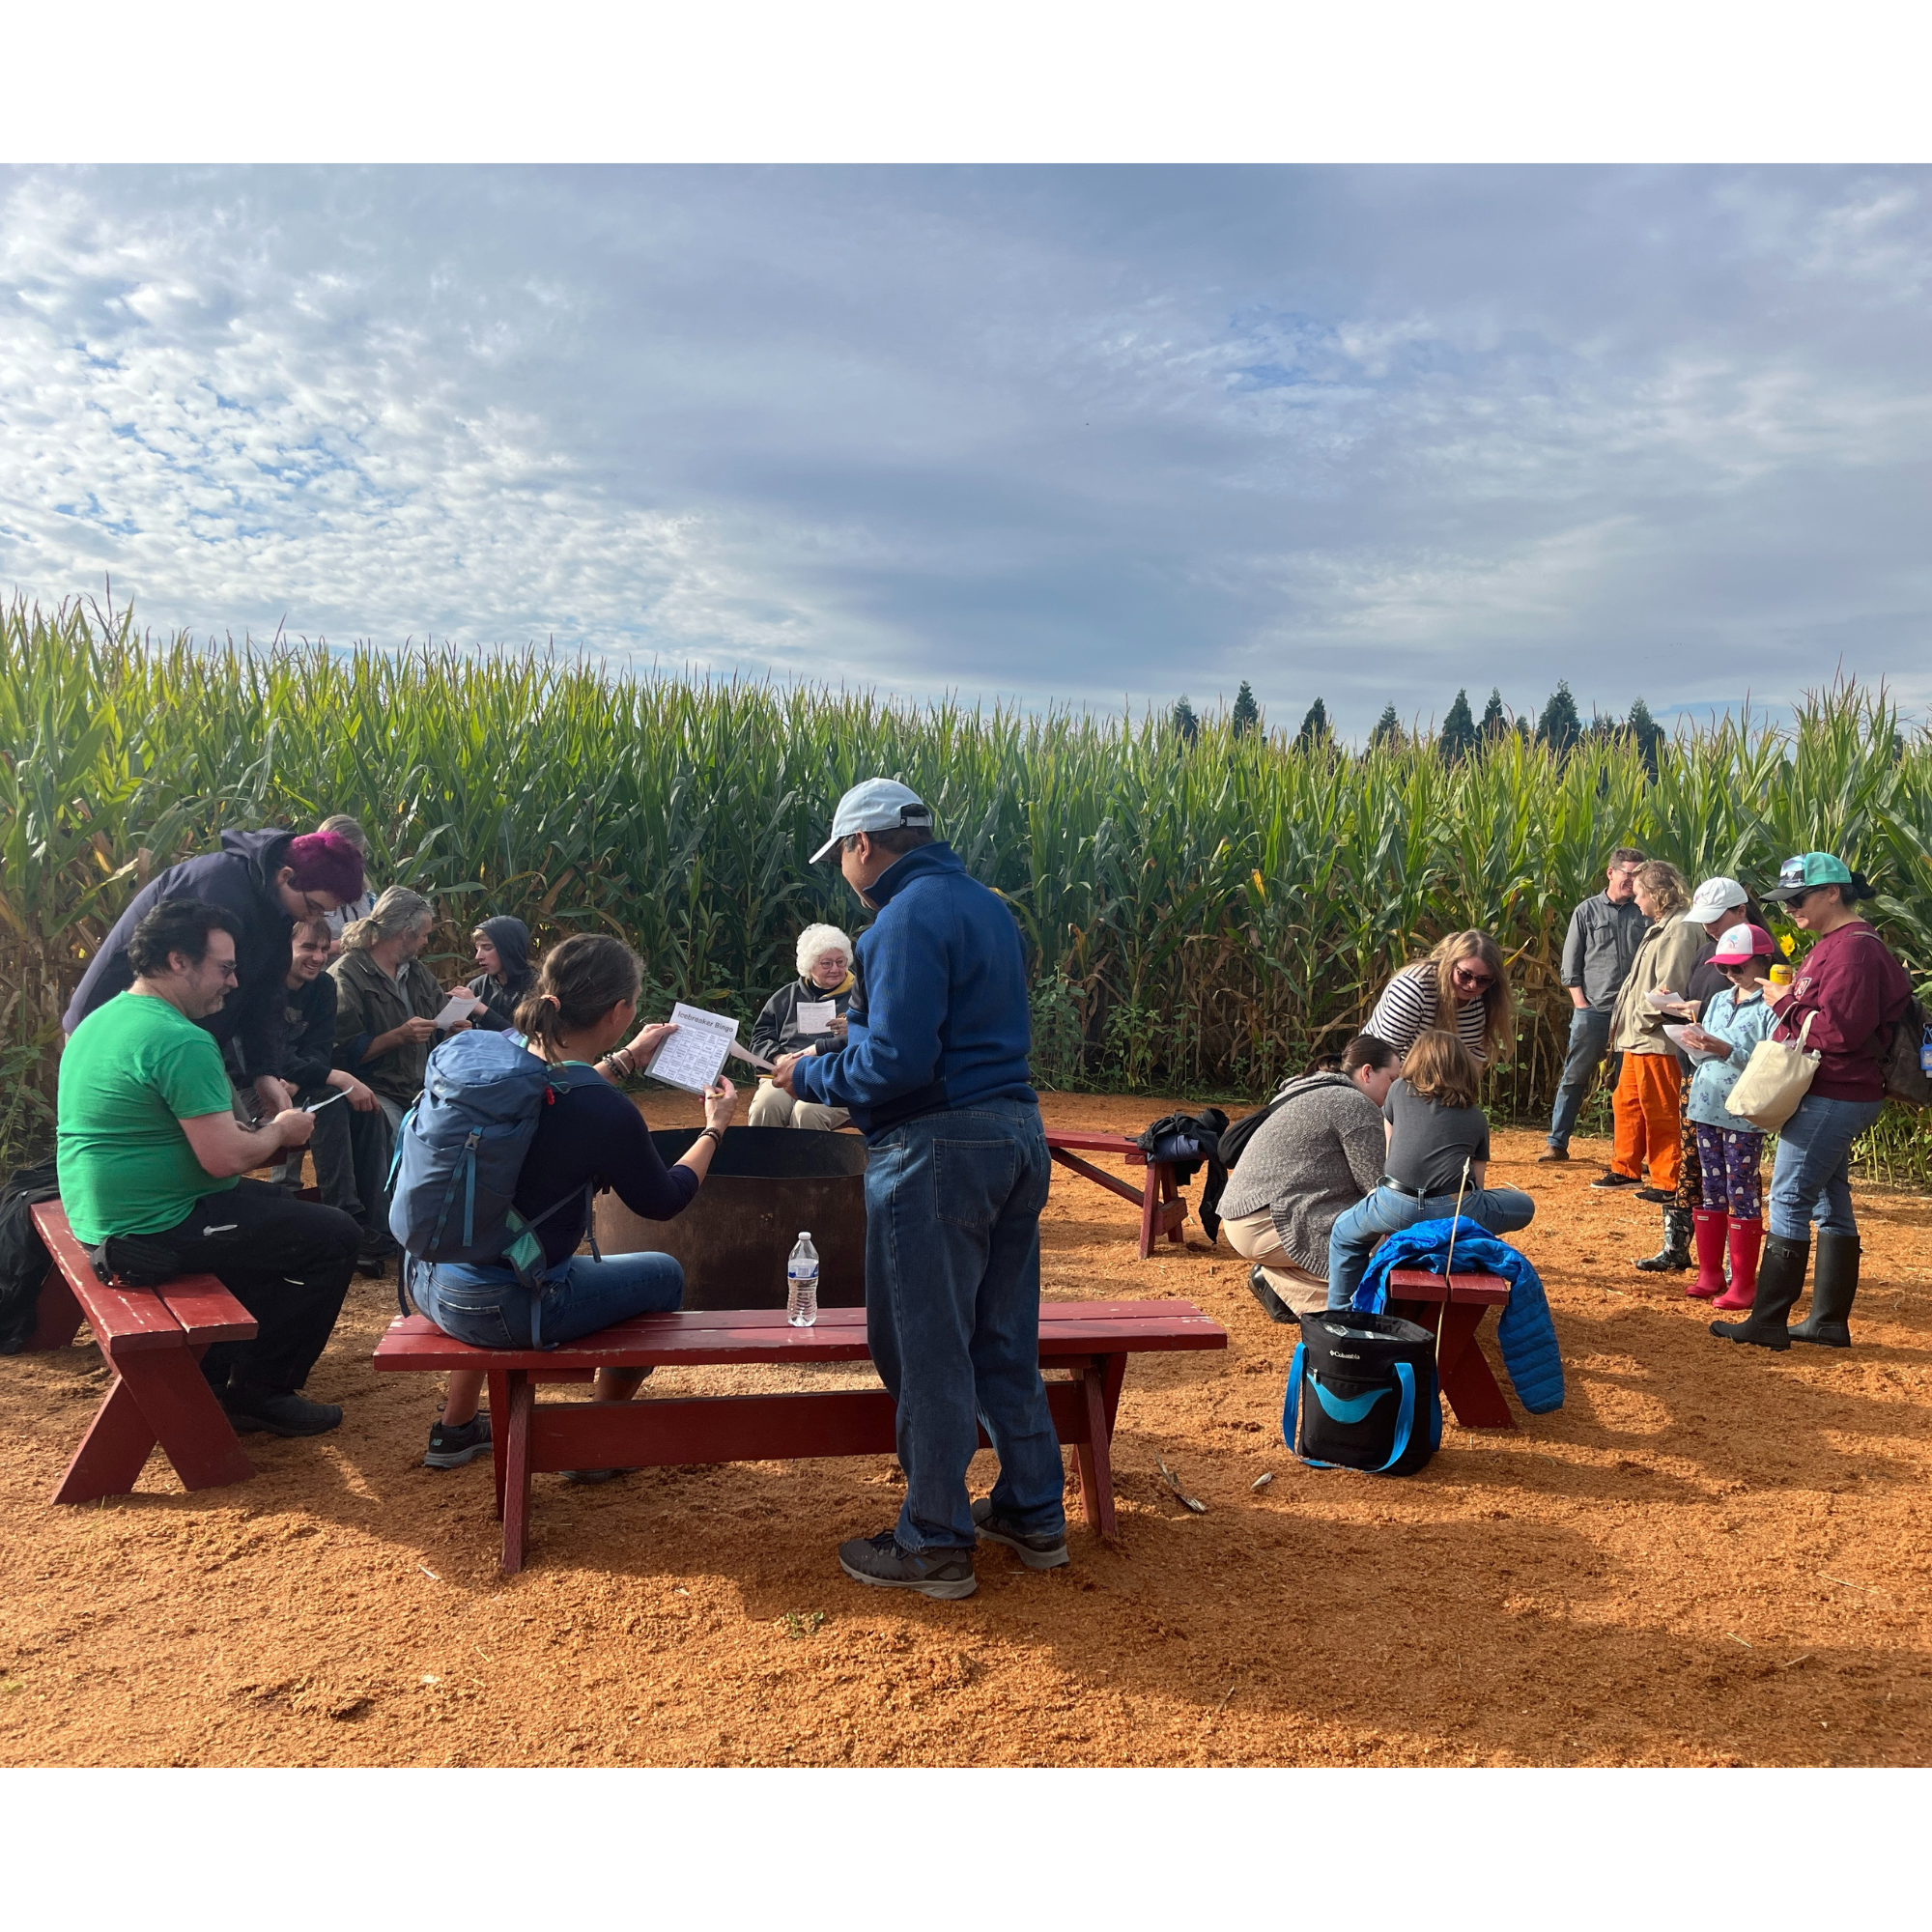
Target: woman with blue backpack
x,y
587,1137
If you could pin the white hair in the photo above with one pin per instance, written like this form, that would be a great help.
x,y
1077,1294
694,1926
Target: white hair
x,y
818,939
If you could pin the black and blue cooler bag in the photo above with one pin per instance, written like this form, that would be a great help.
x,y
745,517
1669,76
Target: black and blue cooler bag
x,y
1362,1394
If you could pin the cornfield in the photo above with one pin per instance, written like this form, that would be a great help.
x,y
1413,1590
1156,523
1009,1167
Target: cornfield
x,y
1202,914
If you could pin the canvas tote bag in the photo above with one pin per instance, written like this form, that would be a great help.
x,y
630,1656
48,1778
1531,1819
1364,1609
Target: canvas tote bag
x,y
1775,1078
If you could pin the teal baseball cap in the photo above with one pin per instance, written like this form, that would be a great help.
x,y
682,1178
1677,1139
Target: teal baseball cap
x,y
1797,876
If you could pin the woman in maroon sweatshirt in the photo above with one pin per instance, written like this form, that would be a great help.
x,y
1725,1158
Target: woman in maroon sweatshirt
x,y
1852,991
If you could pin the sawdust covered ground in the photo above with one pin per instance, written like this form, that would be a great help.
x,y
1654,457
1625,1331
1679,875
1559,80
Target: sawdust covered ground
x,y
1709,1555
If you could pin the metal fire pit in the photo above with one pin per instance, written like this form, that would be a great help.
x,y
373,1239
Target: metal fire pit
x,y
764,1185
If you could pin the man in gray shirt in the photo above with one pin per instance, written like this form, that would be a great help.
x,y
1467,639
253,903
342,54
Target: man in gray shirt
x,y
1604,933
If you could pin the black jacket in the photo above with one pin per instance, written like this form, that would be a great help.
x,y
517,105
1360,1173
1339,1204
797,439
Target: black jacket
x,y
775,1029
309,1015
239,878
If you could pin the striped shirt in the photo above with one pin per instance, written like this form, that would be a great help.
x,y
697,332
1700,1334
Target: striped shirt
x,y
1408,1009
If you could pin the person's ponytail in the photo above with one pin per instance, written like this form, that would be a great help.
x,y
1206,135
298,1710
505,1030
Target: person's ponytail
x,y
576,985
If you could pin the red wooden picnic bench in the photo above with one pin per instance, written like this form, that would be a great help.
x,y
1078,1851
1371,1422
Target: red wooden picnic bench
x,y
1090,1339
1162,1209
1468,1386
153,1340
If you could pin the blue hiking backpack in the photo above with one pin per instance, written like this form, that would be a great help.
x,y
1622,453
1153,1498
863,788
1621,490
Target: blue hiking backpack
x,y
460,1152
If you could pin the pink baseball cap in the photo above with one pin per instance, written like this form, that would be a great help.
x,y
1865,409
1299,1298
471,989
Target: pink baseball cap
x,y
1739,943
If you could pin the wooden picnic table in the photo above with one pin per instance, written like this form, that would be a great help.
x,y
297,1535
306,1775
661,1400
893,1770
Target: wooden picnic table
x,y
1454,1314
1084,1345
1162,1209
153,1340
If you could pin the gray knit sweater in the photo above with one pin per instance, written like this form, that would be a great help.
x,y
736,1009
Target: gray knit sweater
x,y
1312,1160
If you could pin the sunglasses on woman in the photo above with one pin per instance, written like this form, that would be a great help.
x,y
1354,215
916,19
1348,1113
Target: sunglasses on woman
x,y
1465,976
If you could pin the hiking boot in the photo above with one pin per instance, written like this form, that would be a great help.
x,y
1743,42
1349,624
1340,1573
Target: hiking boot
x,y
291,1414
1712,1226
1552,1152
453,1444
1037,1550
878,1560
1780,1281
1272,1305
1612,1178
1834,1286
1675,1254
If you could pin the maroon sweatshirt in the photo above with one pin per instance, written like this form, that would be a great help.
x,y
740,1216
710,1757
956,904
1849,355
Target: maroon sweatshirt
x,y
1856,990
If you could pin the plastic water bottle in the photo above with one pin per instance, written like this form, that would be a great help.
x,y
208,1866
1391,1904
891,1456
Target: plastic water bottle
x,y
801,1283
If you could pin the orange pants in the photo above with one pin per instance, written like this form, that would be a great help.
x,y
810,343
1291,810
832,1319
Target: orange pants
x,y
1645,1108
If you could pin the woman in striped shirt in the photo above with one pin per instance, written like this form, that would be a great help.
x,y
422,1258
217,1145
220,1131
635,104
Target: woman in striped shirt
x,y
1465,976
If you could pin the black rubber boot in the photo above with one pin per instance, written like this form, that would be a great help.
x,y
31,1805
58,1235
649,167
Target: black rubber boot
x,y
1834,1286
1675,1253
1780,1281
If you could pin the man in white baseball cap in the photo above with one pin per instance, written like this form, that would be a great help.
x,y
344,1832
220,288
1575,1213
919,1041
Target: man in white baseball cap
x,y
934,1073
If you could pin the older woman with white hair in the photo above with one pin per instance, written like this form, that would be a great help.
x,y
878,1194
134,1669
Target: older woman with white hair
x,y
806,1015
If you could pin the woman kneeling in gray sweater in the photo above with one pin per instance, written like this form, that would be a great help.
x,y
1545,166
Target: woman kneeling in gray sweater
x,y
1313,1159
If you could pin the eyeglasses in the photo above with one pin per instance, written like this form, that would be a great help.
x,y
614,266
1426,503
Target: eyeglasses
x,y
310,907
228,970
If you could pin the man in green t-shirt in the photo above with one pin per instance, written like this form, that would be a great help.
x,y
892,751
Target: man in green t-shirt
x,y
151,1160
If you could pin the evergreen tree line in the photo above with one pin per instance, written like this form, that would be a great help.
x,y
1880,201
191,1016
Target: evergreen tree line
x,y
1558,726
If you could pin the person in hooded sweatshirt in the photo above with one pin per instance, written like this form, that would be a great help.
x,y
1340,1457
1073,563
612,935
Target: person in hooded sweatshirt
x,y
266,879
504,957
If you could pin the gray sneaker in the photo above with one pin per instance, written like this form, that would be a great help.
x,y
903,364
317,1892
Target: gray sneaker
x,y
1038,1551
450,1447
879,1561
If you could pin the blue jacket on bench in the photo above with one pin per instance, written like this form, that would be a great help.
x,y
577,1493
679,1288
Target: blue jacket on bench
x,y
1525,1332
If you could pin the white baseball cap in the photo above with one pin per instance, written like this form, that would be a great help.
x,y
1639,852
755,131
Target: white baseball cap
x,y
877,804
1714,896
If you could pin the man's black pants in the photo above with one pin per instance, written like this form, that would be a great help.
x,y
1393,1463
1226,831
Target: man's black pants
x,y
287,1262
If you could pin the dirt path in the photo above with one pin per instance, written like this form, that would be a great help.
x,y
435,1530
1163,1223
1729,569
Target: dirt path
x,y
1709,1555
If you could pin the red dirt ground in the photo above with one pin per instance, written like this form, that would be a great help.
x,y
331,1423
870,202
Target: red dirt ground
x,y
1709,1555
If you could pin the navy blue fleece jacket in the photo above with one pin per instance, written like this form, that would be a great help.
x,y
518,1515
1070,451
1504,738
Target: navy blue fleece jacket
x,y
941,1017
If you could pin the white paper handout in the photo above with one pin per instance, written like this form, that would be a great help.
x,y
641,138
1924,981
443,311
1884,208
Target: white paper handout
x,y
1667,1001
1675,1035
457,1006
815,1016
693,1056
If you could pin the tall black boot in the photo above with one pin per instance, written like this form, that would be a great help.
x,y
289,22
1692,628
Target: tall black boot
x,y
1675,1253
1780,1281
1835,1285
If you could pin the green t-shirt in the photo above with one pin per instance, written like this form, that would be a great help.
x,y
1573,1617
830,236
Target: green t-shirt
x,y
135,1069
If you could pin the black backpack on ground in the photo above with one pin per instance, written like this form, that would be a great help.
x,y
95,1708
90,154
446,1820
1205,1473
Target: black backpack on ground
x,y
24,1259
1362,1394
1904,1062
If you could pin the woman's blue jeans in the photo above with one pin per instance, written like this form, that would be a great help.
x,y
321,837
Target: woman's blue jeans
x,y
488,1308
1358,1233
1810,1181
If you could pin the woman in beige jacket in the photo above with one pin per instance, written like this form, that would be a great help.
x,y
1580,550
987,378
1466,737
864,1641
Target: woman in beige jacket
x,y
1645,1102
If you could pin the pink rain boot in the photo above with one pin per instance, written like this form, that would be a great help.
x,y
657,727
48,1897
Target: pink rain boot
x,y
1746,1238
1710,1224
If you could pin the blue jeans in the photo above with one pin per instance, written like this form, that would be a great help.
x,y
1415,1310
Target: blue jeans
x,y
1810,1180
953,1204
1356,1235
1589,1035
488,1308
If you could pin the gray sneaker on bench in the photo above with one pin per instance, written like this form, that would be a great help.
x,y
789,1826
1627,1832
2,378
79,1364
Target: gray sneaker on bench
x,y
878,1560
1036,1551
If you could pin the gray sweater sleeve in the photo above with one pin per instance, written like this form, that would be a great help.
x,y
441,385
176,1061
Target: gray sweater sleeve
x,y
1572,972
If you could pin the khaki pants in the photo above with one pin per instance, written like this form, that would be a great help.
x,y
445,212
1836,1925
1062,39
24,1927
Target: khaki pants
x,y
1253,1237
773,1107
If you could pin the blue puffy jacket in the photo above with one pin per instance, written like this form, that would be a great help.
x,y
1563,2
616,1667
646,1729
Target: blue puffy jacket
x,y
940,1020
1526,1333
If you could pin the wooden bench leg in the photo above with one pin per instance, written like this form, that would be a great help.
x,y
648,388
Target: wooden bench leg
x,y
499,1423
520,1400
1093,1453
1170,1198
158,1396
1150,1211
57,1316
1470,1389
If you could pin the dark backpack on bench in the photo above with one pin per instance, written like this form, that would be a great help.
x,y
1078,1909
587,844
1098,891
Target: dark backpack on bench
x,y
1362,1394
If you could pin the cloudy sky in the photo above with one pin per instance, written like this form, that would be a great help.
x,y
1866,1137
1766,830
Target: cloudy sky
x,y
1073,434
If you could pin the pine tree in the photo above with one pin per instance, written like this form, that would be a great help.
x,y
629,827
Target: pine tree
x,y
1388,729
1646,734
1495,720
1459,729
1314,725
1246,715
1559,728
1186,726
